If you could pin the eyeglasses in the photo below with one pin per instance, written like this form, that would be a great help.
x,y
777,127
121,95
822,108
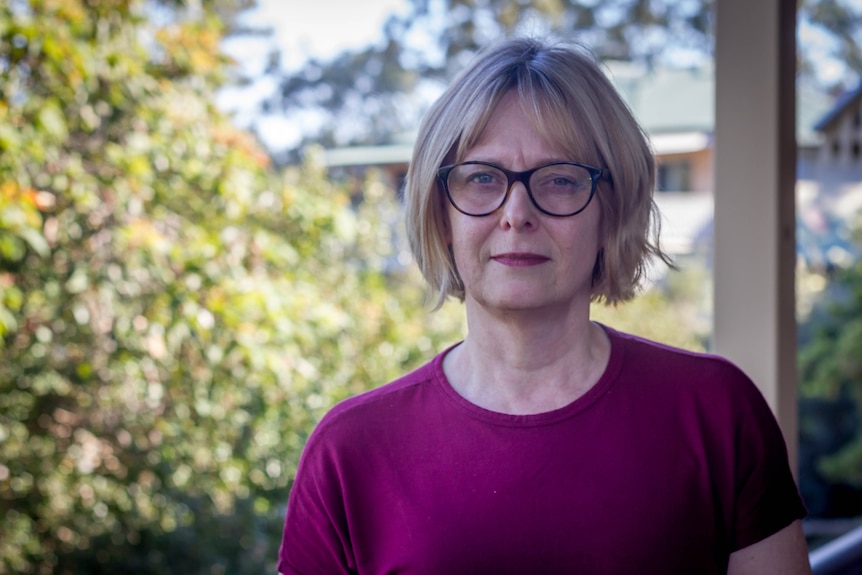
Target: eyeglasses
x,y
558,189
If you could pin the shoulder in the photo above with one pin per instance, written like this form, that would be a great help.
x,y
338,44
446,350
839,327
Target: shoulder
x,y
707,395
377,411
712,381
654,357
718,412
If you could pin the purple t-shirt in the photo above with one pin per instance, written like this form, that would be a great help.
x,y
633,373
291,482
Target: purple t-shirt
x,y
668,464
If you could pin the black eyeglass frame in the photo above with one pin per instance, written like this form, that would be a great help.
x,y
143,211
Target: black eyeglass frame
x,y
524,177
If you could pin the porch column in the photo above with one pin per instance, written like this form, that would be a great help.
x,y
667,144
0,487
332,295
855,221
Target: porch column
x,y
755,171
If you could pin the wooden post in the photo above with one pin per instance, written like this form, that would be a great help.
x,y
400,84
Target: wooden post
x,y
755,171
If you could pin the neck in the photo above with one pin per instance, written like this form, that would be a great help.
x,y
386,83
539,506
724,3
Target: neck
x,y
524,362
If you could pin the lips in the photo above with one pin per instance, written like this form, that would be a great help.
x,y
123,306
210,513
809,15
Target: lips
x,y
518,259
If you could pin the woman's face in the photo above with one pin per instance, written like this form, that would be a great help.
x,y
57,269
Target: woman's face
x,y
518,258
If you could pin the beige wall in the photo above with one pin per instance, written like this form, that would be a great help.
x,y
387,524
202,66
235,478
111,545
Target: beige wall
x,y
702,177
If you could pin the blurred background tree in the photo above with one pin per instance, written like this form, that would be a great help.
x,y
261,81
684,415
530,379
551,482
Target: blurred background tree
x,y
175,315
369,94
830,370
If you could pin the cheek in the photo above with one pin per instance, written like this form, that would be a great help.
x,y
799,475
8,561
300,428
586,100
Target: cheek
x,y
467,238
458,228
600,226
595,225
456,235
584,243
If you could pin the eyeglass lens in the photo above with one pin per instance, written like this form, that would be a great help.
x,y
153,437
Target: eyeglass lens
x,y
558,189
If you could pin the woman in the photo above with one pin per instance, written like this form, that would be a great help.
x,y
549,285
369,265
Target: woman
x,y
543,443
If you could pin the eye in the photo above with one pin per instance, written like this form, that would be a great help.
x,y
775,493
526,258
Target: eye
x,y
558,184
481,178
563,181
477,177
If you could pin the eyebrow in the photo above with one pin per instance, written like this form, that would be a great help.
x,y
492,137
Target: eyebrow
x,y
494,162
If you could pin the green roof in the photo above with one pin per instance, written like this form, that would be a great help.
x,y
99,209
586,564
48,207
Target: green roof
x,y
683,99
664,101
667,99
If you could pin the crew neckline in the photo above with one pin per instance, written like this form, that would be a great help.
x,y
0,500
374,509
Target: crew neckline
x,y
578,405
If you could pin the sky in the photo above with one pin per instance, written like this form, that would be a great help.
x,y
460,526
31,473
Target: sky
x,y
323,28
302,29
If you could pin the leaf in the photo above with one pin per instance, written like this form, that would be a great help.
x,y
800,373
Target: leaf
x,y
52,121
36,241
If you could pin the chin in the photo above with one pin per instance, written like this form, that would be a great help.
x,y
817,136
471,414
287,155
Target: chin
x,y
530,298
521,302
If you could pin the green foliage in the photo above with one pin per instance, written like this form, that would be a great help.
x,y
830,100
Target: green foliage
x,y
672,313
831,369
174,316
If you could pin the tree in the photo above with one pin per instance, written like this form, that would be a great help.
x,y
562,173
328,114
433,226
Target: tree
x,y
174,315
375,88
671,311
375,92
830,373
841,22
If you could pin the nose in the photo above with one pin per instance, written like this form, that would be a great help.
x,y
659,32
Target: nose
x,y
518,211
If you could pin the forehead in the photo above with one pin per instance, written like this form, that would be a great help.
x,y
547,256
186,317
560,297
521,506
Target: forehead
x,y
510,133
557,127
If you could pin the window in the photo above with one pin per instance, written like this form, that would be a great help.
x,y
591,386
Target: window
x,y
674,176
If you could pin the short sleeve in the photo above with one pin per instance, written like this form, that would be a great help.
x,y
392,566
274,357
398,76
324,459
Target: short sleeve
x,y
766,495
315,540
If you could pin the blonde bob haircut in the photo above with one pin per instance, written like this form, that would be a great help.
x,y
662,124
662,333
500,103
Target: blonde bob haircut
x,y
575,108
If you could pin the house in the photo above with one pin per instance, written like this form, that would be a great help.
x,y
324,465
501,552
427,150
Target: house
x,y
838,165
676,107
829,189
